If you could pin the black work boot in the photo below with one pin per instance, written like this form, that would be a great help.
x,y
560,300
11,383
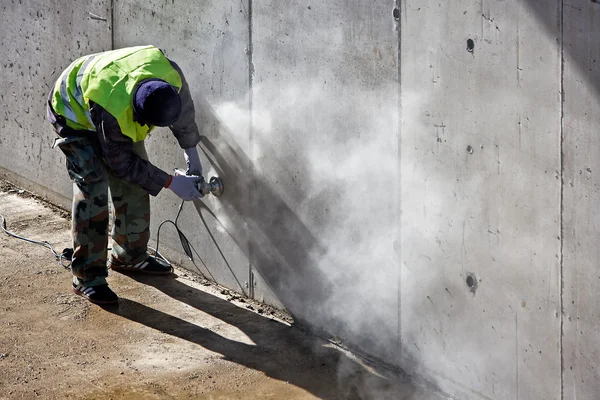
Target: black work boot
x,y
150,265
98,294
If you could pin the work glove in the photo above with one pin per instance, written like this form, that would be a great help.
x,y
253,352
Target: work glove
x,y
184,186
192,160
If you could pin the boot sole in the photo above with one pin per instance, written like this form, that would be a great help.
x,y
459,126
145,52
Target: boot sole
x,y
141,271
99,302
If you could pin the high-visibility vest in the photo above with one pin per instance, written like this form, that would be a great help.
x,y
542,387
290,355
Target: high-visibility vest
x,y
109,79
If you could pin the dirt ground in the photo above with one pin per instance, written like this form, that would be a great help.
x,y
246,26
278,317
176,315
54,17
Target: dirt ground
x,y
175,337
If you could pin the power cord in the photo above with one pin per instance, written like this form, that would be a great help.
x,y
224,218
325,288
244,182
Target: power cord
x,y
185,243
66,254
65,257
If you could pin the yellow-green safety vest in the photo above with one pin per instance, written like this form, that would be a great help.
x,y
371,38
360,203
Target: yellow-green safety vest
x,y
108,79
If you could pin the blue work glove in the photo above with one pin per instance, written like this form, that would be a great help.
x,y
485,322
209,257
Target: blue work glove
x,y
192,160
185,187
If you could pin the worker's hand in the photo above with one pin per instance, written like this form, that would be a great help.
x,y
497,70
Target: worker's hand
x,y
192,159
184,186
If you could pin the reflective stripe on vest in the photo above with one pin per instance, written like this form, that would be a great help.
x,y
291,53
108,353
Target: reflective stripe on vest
x,y
109,79
67,99
78,94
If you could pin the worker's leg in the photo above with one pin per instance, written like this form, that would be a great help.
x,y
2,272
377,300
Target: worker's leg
x,y
90,209
131,228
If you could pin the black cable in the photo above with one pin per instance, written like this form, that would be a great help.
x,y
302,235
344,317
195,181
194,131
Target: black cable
x,y
65,255
185,243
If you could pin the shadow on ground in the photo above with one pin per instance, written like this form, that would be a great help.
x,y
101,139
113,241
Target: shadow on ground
x,y
323,370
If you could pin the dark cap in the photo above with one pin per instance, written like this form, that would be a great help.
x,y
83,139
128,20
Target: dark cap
x,y
156,102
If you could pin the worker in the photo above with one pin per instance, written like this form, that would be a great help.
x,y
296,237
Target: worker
x,y
102,107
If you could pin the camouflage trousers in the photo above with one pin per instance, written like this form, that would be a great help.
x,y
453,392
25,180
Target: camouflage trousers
x,y
93,183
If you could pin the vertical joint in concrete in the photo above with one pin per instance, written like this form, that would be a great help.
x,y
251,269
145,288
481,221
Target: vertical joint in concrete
x,y
562,185
398,18
250,147
112,24
249,53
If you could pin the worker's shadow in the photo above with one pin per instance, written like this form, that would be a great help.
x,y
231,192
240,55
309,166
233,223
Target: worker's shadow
x,y
275,241
281,352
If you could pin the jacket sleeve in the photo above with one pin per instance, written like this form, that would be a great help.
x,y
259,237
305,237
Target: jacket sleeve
x,y
185,129
119,156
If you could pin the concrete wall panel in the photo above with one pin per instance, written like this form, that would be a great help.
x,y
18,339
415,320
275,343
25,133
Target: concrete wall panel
x,y
208,40
480,199
581,318
325,149
39,39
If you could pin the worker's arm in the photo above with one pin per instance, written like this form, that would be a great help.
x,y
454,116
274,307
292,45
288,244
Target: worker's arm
x,y
119,156
185,129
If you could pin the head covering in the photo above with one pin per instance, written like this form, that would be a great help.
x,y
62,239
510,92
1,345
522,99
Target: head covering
x,y
156,102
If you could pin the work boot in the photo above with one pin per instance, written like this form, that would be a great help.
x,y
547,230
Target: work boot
x,y
97,294
150,265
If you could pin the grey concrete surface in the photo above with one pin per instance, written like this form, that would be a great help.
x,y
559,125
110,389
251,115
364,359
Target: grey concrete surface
x,y
208,41
581,277
481,200
325,147
363,194
39,39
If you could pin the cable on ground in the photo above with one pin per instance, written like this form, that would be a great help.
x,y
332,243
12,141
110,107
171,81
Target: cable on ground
x,y
66,256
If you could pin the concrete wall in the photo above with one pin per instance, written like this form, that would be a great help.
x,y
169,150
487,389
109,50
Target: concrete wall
x,y
208,40
39,39
581,277
325,144
481,199
436,213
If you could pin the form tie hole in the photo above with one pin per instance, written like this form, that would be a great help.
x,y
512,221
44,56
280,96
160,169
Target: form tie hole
x,y
470,45
472,282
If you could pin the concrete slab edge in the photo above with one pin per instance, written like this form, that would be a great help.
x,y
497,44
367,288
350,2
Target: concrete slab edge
x,y
381,367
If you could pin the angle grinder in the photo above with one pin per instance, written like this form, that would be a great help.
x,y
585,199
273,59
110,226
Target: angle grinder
x,y
214,185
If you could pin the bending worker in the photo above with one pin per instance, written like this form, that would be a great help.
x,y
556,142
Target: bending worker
x,y
102,107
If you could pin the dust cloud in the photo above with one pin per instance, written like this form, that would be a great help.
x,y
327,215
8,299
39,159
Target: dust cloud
x,y
326,145
332,155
